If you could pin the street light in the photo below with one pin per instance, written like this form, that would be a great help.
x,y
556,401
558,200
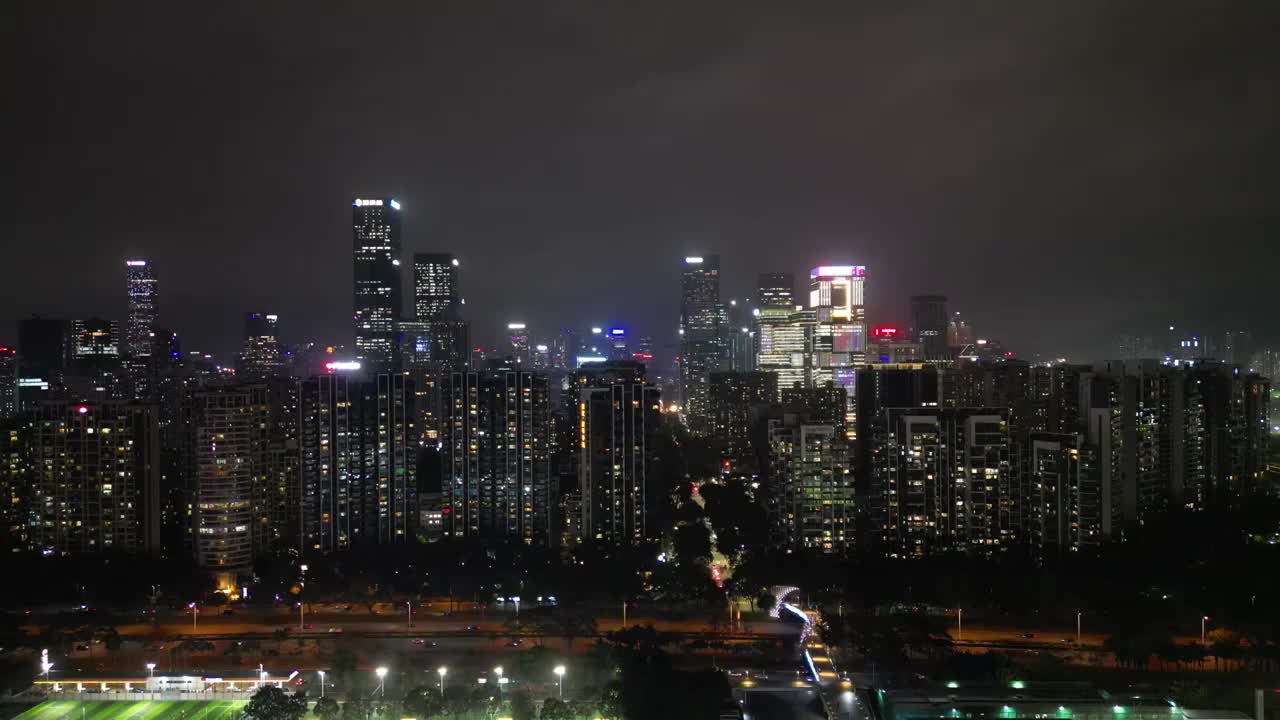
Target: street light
x,y
960,623
382,683
321,683
1203,620
1078,628
560,679
151,669
501,680
193,617
45,667
442,670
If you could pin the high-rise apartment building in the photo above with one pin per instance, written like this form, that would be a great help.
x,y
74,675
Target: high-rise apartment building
x,y
732,397
8,382
520,348
231,428
617,418
94,478
1063,501
929,325
812,486
702,325
495,438
358,444
941,480
376,246
41,359
96,338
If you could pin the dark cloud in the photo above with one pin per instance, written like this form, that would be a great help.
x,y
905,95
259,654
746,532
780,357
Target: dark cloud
x,y
1063,171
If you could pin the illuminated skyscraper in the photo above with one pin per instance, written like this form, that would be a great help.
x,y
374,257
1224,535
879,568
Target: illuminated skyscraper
x,y
840,333
435,287
376,247
702,344
519,334
260,356
143,308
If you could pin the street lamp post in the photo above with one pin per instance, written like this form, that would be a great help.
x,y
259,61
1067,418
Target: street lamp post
x,y
193,617
560,679
321,683
960,623
1203,619
1078,627
151,680
302,604
410,612
382,681
442,670
498,671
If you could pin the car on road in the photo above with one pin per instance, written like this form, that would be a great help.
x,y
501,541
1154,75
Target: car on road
x,y
1028,635
472,628
335,629
309,626
515,643
424,642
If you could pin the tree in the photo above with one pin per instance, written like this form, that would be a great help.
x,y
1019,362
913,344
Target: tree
x,y
327,709
422,702
356,708
272,703
555,709
522,706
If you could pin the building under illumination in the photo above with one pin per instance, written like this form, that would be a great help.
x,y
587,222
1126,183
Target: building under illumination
x,y
840,331
260,355
702,343
376,247
144,308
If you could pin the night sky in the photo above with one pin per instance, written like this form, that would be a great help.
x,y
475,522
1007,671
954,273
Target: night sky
x,y
1064,171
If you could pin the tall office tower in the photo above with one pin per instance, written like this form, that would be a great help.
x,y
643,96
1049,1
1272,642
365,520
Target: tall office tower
x,y
941,480
94,478
518,335
840,333
616,345
1133,347
41,359
702,323
565,348
230,428
784,338
358,447
95,337
8,382
618,415
260,355
1234,347
732,397
959,332
1063,500
929,325
144,310
496,452
776,290
95,370
739,337
377,282
435,287
809,474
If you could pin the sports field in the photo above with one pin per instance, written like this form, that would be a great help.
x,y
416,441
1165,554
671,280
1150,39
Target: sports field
x,y
134,710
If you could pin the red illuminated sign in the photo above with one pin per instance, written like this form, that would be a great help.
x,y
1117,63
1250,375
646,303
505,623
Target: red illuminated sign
x,y
887,332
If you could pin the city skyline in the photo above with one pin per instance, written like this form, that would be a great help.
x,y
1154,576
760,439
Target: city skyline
x,y
933,202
